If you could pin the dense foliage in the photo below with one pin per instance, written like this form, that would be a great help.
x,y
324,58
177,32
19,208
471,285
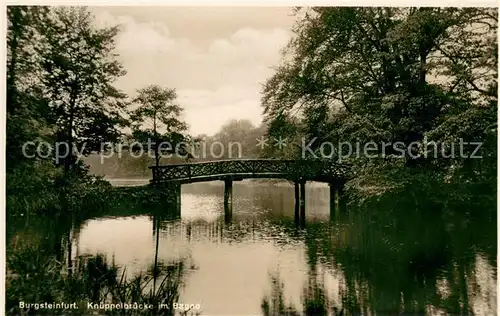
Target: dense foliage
x,y
157,119
62,106
392,75
349,75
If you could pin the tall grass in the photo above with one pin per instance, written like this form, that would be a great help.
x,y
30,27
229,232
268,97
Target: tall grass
x,y
34,277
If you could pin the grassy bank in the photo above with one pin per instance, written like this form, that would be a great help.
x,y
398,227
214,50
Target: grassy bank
x,y
34,277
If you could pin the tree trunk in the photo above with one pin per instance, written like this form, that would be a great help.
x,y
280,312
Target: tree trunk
x,y
11,74
68,161
157,152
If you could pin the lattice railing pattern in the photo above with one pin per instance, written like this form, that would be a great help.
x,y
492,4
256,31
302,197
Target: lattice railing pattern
x,y
292,169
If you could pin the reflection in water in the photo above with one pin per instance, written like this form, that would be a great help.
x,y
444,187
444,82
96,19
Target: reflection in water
x,y
388,257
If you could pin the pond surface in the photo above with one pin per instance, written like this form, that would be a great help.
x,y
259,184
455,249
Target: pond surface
x,y
258,261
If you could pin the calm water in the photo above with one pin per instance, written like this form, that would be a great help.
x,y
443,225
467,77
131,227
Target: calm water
x,y
375,261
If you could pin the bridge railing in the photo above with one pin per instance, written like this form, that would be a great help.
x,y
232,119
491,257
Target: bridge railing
x,y
293,169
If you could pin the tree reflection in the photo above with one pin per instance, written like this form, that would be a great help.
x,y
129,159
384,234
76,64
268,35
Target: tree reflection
x,y
398,256
275,303
315,300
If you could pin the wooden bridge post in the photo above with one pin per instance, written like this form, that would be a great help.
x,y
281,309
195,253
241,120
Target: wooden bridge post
x,y
297,201
228,197
302,201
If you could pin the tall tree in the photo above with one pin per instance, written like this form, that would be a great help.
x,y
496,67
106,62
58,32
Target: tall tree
x,y
26,107
157,118
388,74
79,69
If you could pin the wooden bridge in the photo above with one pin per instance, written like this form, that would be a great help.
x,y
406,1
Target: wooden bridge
x,y
298,171
238,169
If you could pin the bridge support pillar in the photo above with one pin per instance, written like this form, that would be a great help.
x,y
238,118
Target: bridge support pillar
x,y
297,201
302,201
228,197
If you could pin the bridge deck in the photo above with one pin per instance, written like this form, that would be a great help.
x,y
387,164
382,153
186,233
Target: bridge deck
x,y
239,169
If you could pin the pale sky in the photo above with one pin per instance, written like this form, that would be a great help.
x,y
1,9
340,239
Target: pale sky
x,y
216,58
